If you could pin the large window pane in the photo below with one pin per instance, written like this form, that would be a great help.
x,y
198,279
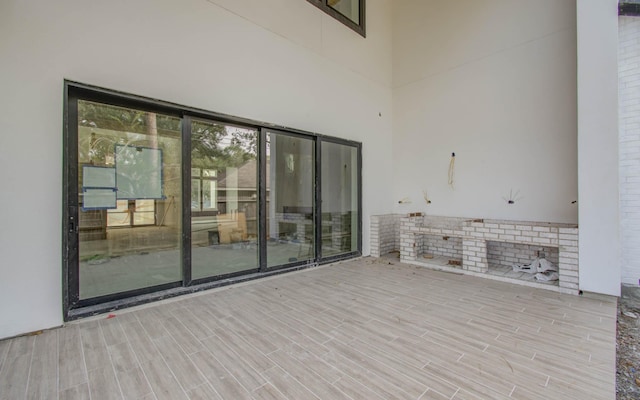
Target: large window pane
x,y
129,237
223,199
290,192
339,199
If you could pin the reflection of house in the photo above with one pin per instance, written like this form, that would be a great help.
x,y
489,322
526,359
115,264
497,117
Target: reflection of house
x,y
237,189
234,217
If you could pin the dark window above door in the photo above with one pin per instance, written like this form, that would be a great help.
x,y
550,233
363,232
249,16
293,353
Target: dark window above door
x,y
349,12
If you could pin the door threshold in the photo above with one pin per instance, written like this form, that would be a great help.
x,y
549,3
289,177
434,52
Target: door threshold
x,y
114,305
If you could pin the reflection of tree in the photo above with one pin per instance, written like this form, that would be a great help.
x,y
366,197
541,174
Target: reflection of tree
x,y
104,116
217,146
247,140
117,125
213,145
103,128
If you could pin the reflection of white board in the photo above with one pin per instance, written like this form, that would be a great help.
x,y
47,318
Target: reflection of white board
x,y
138,172
98,199
98,188
98,177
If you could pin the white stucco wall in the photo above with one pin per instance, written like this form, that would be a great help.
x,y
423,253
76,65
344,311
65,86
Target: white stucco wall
x,y
597,36
495,82
278,61
629,146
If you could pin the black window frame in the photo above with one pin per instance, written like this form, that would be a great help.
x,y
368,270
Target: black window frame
x,y
359,28
348,143
73,306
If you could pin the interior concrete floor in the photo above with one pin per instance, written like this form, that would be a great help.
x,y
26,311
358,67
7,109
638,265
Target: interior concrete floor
x,y
362,329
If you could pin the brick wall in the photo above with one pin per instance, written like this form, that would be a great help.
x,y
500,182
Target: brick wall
x,y
287,220
474,255
568,259
385,234
443,242
514,231
629,134
487,241
445,246
509,254
410,242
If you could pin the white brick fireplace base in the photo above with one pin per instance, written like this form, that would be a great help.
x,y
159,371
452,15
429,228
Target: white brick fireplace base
x,y
472,245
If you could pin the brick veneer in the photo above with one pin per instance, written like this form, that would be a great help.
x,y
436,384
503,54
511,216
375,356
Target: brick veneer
x,y
385,234
475,242
629,141
507,254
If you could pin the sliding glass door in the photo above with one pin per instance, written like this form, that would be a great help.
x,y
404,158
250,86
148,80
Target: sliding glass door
x,y
340,198
129,199
224,199
290,198
160,199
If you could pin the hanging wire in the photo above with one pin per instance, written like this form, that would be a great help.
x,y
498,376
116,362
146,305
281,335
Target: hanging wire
x,y
452,164
426,197
513,197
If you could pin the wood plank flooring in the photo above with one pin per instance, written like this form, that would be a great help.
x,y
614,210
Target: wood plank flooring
x,y
364,329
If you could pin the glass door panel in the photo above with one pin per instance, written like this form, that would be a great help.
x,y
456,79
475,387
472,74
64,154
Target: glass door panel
x,y
339,199
224,176
290,192
129,185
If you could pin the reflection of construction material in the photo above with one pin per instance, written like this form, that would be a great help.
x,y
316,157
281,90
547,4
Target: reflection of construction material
x,y
232,227
305,250
213,235
166,210
92,225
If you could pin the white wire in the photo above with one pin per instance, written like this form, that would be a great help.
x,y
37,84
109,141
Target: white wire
x,y
452,165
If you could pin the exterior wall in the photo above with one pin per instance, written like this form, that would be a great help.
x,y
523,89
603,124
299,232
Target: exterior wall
x,y
495,82
597,36
280,61
498,83
629,128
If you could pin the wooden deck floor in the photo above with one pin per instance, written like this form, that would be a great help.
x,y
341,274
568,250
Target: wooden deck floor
x,y
362,329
